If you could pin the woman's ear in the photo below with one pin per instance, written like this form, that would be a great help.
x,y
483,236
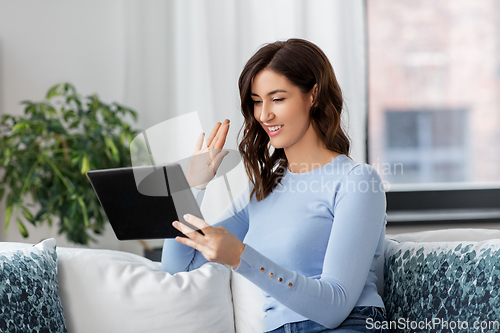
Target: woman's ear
x,y
314,93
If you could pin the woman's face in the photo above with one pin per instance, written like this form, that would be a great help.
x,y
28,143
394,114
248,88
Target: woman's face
x,y
281,108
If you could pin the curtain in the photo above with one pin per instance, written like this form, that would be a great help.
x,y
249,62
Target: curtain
x,y
186,55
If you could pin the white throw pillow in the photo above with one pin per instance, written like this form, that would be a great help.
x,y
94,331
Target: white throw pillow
x,y
248,303
111,291
447,235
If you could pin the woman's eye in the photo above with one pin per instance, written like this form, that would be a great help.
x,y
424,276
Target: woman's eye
x,y
256,102
277,100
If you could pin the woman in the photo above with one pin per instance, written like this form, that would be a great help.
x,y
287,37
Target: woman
x,y
310,227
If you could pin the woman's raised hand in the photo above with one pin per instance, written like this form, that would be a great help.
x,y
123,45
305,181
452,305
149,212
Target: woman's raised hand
x,y
205,161
216,244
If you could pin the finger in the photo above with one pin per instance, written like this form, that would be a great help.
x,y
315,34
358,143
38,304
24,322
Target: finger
x,y
213,134
188,242
199,143
186,230
197,222
220,138
221,135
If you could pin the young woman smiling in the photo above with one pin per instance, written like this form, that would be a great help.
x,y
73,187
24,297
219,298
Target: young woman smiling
x,y
311,225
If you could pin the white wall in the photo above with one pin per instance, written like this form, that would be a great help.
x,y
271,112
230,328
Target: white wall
x,y
51,41
47,42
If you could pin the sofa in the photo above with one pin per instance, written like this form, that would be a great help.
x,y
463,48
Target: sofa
x,y
47,288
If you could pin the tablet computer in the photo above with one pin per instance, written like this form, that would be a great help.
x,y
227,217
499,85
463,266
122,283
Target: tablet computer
x,y
144,209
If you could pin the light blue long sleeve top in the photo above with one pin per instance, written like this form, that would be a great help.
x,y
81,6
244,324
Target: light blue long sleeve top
x,y
311,245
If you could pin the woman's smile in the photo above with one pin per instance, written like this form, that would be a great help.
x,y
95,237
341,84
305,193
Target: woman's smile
x,y
274,130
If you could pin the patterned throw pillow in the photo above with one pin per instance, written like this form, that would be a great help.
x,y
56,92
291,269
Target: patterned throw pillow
x,y
29,301
443,286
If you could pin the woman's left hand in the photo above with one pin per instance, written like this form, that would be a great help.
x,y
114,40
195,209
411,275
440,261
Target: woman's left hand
x,y
217,244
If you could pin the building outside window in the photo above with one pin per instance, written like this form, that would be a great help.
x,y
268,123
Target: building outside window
x,y
434,90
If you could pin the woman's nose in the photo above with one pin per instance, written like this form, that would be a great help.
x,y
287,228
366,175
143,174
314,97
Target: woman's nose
x,y
265,113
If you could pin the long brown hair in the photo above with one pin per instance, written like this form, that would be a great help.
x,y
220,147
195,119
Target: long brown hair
x,y
304,65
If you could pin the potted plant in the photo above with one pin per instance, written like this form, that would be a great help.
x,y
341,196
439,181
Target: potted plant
x,y
47,152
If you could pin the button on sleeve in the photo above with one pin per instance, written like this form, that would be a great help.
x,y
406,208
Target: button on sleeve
x,y
253,264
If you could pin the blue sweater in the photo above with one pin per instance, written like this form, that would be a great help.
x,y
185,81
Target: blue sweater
x,y
311,245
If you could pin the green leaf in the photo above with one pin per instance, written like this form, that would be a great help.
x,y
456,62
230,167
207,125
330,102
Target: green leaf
x,y
19,126
2,192
72,209
53,91
66,222
108,154
85,165
56,127
114,151
68,87
48,109
133,113
69,114
8,211
27,181
84,211
69,185
22,228
40,213
76,158
30,107
27,214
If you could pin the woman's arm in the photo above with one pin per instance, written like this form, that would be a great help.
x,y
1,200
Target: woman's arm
x,y
177,257
202,167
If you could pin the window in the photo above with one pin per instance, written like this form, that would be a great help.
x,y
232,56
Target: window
x,y
428,145
434,106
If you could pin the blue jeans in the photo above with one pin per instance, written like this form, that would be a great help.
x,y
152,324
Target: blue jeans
x,y
356,322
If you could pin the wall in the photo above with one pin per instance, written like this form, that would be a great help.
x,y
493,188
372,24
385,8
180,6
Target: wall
x,y
47,42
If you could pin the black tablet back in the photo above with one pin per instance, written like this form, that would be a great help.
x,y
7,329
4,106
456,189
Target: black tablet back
x,y
148,212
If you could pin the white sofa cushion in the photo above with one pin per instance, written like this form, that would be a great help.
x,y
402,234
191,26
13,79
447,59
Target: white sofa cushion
x,y
112,291
447,235
248,303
